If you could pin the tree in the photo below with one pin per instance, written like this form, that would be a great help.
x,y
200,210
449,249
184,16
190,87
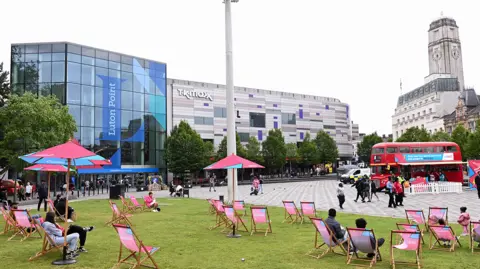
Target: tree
x,y
441,136
222,148
364,148
291,153
253,150
308,151
415,134
326,148
185,149
32,123
4,86
209,153
460,136
273,149
472,147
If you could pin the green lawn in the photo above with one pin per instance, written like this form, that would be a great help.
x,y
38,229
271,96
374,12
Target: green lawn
x,y
181,230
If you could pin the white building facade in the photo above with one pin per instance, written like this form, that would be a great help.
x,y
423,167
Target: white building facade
x,y
426,106
203,106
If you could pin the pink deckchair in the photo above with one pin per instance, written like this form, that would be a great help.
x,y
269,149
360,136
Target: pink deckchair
x,y
51,207
24,224
437,213
362,240
118,216
307,210
239,205
220,218
416,216
136,205
138,251
9,222
410,241
291,212
474,235
440,234
234,218
211,208
329,241
260,216
410,228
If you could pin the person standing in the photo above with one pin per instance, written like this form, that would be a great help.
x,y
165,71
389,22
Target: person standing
x,y
42,196
212,183
366,188
359,186
477,183
340,195
261,185
399,192
28,191
391,192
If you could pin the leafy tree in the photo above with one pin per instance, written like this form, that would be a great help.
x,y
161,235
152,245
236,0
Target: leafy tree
x,y
308,151
460,136
415,134
273,149
253,150
326,148
30,124
4,85
441,136
222,148
185,149
209,153
472,147
364,148
291,153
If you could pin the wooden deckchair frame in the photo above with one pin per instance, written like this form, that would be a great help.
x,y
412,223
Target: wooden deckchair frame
x,y
239,219
399,225
418,251
126,207
58,216
244,207
411,221
22,230
253,224
472,235
141,207
211,207
433,236
303,216
428,217
329,249
352,256
118,218
220,218
47,245
9,222
137,255
288,218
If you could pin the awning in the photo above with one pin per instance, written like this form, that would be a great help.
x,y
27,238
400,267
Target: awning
x,y
432,163
117,171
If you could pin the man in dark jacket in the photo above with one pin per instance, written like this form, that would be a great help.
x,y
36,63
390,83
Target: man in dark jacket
x,y
42,196
334,226
477,182
359,186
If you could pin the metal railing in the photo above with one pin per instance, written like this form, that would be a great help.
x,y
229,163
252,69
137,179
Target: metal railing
x,y
435,188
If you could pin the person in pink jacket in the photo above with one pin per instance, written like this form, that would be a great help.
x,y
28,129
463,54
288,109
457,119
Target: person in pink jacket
x,y
464,220
151,202
255,186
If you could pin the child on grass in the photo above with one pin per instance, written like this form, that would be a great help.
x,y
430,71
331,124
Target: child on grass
x,y
464,220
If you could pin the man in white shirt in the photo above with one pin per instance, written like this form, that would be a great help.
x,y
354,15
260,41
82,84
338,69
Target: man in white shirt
x,y
28,191
179,190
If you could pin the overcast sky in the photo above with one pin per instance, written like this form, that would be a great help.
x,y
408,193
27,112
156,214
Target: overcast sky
x,y
353,50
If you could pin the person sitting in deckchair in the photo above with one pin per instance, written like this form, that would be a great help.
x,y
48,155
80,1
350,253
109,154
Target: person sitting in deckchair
x,y
57,235
60,207
361,223
151,202
446,242
338,231
34,217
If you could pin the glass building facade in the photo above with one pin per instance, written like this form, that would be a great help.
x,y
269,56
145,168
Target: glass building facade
x,y
118,101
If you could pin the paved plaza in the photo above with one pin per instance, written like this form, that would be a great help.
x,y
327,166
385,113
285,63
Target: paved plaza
x,y
323,193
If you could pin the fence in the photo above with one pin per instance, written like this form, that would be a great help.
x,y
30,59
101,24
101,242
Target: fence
x,y
435,188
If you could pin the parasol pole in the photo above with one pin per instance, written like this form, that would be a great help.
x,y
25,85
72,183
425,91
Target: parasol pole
x,y
48,179
233,235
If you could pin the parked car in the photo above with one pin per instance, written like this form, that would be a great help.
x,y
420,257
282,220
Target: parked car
x,y
354,174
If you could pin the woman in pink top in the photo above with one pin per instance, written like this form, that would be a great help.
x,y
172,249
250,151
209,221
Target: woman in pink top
x,y
151,202
464,220
255,185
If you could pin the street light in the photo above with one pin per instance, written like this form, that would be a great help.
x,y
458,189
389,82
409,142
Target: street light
x,y
231,137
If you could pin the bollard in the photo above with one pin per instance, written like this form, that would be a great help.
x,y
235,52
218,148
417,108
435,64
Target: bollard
x,y
220,197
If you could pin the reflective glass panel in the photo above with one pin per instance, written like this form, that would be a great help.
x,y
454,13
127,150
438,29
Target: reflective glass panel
x,y
45,72
88,116
87,95
73,94
58,72
74,71
88,75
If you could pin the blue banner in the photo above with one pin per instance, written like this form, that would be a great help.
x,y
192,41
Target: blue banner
x,y
424,157
111,108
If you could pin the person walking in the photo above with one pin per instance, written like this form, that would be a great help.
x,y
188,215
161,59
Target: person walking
x,y
477,183
340,195
28,191
373,190
261,184
359,186
42,196
366,188
391,193
212,184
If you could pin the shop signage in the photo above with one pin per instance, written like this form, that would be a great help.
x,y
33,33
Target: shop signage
x,y
428,157
189,94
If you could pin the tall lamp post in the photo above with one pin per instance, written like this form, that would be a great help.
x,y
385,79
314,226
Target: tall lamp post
x,y
231,136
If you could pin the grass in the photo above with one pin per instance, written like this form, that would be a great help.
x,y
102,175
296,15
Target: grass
x,y
181,230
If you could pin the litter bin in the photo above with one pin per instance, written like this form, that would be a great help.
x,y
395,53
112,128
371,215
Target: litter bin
x,y
116,191
220,197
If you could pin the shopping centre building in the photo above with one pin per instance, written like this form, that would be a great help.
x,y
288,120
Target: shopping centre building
x,y
124,106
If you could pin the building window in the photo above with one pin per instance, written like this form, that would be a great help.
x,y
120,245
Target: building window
x,y
329,127
220,112
257,120
398,120
430,110
289,118
244,137
424,112
203,120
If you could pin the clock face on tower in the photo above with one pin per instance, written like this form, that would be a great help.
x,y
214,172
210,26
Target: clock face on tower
x,y
437,55
455,53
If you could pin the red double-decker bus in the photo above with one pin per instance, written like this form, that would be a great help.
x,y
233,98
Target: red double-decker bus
x,y
416,159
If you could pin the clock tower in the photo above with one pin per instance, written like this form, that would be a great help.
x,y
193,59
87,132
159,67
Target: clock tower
x,y
445,50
